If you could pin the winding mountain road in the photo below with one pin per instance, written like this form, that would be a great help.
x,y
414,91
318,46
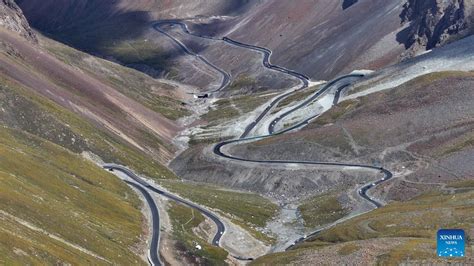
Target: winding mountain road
x,y
142,186
350,78
226,76
362,192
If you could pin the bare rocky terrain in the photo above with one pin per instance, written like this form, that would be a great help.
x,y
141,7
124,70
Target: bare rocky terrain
x,y
321,46
435,23
392,129
11,18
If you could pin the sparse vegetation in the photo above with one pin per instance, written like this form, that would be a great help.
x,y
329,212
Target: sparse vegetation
x,y
139,51
246,209
196,140
409,252
348,249
463,184
407,219
44,118
337,112
321,210
230,108
457,145
421,80
417,220
183,220
130,82
242,81
223,110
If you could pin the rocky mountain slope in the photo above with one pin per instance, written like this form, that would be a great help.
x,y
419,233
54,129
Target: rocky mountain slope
x,y
11,18
435,23
121,31
313,37
361,138
56,206
422,130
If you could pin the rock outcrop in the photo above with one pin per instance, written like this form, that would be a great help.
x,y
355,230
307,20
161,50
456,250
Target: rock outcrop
x,y
434,23
11,18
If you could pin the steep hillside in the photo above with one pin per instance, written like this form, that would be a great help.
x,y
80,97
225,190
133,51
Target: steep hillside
x,y
392,128
398,234
435,23
121,31
59,208
11,18
316,38
313,37
88,96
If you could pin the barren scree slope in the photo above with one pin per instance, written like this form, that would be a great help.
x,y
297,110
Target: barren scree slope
x,y
311,36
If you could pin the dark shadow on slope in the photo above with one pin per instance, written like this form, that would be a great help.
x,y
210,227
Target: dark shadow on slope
x,y
84,24
432,24
237,7
94,26
100,27
348,3
405,37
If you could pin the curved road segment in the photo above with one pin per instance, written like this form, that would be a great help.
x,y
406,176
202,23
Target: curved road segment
x,y
271,129
362,192
350,78
156,224
226,76
153,254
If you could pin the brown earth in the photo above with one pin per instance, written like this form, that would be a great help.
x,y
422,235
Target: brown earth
x,y
86,96
313,37
425,125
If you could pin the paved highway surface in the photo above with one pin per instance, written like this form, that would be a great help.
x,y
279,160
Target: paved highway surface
x,y
218,148
348,80
362,192
220,225
226,80
225,75
153,253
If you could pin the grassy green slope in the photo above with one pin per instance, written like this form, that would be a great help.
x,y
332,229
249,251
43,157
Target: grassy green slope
x,y
416,221
321,209
47,192
248,210
184,220
26,110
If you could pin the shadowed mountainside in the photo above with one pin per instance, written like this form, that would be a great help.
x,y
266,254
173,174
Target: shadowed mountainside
x,y
435,23
313,37
348,3
96,105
